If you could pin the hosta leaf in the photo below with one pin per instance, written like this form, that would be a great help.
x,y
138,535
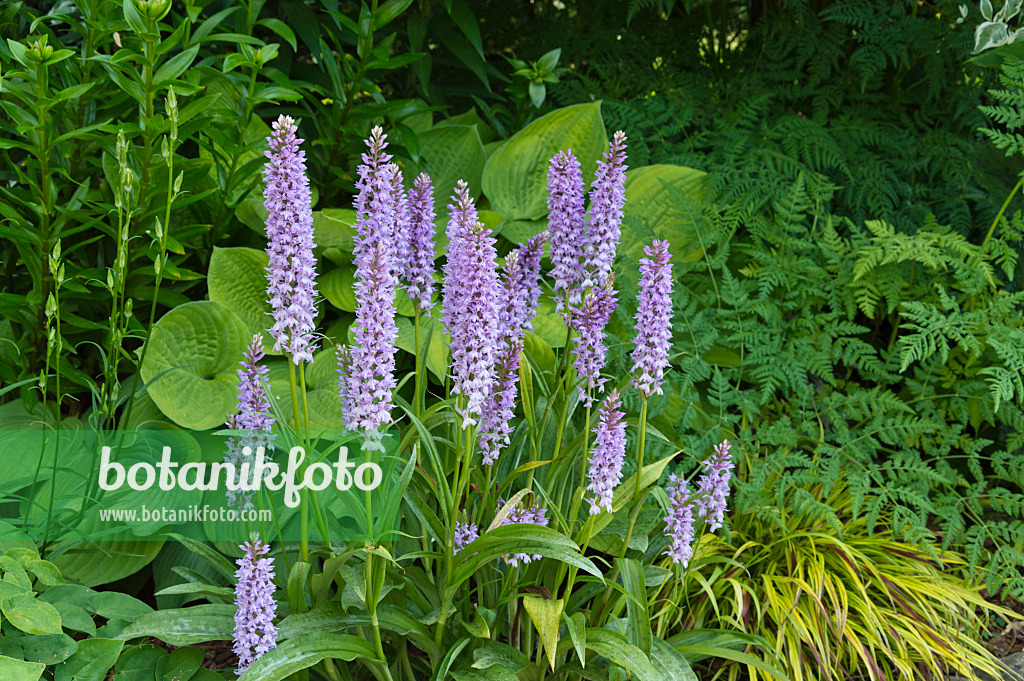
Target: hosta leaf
x,y
192,362
334,228
338,286
433,339
453,153
656,211
115,559
515,175
237,279
321,391
520,231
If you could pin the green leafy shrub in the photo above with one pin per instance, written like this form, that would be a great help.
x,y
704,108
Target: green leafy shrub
x,y
886,359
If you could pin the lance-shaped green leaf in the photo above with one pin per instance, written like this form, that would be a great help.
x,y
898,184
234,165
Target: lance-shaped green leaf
x,y
639,630
546,616
185,626
616,648
518,538
294,655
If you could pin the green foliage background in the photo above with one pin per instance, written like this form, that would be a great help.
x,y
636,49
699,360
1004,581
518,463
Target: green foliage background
x,y
846,243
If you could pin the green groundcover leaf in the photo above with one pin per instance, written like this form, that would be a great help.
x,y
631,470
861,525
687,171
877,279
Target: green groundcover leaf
x,y
30,615
93,660
19,670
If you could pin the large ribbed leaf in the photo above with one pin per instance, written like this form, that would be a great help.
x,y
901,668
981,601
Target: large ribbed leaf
x,y
661,203
192,362
453,152
515,176
237,279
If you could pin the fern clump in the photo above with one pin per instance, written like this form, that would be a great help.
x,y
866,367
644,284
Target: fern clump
x,y
885,360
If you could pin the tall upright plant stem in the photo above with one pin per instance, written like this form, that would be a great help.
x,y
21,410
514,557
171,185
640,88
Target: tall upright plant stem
x,y
640,451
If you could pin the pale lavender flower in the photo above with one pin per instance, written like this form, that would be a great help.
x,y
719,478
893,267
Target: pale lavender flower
x,y
464,534
253,420
402,225
376,203
470,304
653,319
371,371
566,225
496,419
534,515
367,375
589,321
679,522
418,258
607,197
520,286
255,632
343,355
607,455
291,274
713,486
253,405
522,283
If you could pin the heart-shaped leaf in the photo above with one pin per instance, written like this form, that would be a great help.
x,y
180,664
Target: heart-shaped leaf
x,y
661,203
515,176
192,363
237,279
31,615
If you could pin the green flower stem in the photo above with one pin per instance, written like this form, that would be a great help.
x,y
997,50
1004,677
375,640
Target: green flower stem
x,y
449,552
556,452
1006,204
159,264
147,122
370,589
304,511
640,450
581,490
331,670
418,382
615,570
577,501
57,347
